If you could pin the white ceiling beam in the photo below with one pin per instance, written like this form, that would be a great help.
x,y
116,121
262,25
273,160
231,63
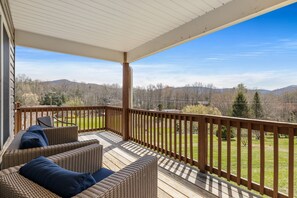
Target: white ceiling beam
x,y
33,40
229,14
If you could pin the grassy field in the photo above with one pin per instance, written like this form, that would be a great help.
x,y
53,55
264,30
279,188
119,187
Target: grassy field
x,y
85,123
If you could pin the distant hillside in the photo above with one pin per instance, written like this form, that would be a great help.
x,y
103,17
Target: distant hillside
x,y
289,89
68,83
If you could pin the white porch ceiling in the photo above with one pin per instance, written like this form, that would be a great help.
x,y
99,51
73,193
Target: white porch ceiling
x,y
106,28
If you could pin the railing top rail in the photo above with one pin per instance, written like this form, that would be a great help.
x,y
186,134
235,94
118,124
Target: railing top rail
x,y
225,118
113,107
58,108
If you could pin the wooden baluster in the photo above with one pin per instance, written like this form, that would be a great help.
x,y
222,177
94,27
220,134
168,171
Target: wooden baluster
x,y
71,115
180,137
191,140
158,132
134,125
145,129
25,119
170,135
291,163
238,153
186,139
219,148
31,117
97,118
166,134
250,156
155,130
84,114
52,111
142,128
62,116
138,127
92,121
36,115
151,130
211,145
162,133
174,137
262,159
202,144
228,151
275,161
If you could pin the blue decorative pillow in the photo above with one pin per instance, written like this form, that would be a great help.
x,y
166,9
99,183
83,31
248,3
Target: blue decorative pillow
x,y
101,174
62,182
32,140
38,130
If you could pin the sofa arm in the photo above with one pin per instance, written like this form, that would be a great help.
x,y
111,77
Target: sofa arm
x,y
138,179
84,159
20,156
60,135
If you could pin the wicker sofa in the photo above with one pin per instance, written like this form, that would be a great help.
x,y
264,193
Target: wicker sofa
x,y
137,180
60,139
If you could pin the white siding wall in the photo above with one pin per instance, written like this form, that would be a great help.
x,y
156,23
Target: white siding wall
x,y
6,22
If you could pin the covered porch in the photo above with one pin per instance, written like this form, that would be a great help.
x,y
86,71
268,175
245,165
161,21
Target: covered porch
x,y
189,146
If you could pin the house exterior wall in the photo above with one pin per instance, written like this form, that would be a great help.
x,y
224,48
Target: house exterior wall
x,y
7,77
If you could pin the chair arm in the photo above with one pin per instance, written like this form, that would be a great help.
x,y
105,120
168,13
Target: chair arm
x,y
60,135
84,159
16,157
138,179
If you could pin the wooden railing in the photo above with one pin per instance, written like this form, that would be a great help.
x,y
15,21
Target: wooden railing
x,y
87,118
253,153
114,119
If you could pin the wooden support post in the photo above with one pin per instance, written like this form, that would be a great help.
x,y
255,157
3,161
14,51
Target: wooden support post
x,y
17,118
127,90
202,145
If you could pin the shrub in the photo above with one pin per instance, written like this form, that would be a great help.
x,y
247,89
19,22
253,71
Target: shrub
x,y
224,133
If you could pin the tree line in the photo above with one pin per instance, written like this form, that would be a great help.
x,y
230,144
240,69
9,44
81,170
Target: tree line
x,y
196,98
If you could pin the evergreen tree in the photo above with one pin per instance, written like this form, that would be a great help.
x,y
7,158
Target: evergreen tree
x,y
240,106
256,108
53,98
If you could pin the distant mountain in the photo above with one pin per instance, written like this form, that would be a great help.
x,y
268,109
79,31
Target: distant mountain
x,y
280,91
292,88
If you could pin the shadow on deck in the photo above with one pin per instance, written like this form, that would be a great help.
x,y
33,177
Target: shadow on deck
x,y
175,179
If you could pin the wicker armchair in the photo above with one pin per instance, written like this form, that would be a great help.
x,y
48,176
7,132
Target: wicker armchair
x,y
136,180
60,139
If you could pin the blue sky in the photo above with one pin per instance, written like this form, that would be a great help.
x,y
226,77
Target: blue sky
x,y
261,53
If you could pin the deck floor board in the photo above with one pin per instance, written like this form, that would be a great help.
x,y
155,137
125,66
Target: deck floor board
x,y
175,179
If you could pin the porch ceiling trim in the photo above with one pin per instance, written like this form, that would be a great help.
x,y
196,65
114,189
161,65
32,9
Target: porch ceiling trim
x,y
33,40
231,13
224,14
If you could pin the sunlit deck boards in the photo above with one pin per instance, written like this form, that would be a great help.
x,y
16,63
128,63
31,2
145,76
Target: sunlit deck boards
x,y
175,179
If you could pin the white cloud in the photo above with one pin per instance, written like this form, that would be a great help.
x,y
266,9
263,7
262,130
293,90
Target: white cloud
x,y
90,72
145,74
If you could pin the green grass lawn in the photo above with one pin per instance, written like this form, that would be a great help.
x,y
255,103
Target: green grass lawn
x,y
86,123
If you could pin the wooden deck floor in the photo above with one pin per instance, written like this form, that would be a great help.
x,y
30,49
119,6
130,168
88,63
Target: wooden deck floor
x,y
175,179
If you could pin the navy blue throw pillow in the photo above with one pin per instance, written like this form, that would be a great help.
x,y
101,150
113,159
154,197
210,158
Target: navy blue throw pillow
x,y
101,174
58,180
39,130
32,140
